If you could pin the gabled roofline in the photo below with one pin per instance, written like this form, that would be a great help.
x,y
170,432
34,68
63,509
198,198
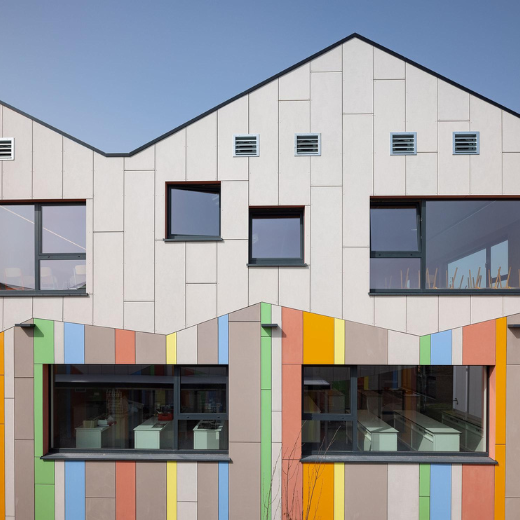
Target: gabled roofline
x,y
260,85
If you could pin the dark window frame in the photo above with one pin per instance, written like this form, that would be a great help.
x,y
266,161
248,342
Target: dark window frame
x,y
209,187
137,454
420,204
277,212
39,255
352,419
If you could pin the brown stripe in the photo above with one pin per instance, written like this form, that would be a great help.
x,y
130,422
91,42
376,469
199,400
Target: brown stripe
x,y
207,342
207,491
24,408
100,479
150,348
24,479
366,491
248,314
244,481
23,352
244,383
100,345
100,509
150,486
365,344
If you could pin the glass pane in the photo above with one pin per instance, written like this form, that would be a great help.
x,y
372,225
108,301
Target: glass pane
x,y
326,389
395,273
113,406
64,229
393,229
473,244
194,212
203,434
277,237
61,275
203,389
326,436
421,408
17,247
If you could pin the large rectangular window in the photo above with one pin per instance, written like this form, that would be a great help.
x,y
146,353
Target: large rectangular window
x,y
43,247
139,407
429,408
193,212
445,245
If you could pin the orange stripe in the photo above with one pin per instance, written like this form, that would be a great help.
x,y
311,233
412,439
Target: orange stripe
x,y
1,353
478,492
500,483
292,339
125,490
125,347
318,339
318,491
2,471
501,371
478,344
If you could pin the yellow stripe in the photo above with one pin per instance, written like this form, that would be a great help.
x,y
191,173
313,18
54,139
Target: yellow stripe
x,y
339,491
171,490
171,349
500,388
339,342
500,482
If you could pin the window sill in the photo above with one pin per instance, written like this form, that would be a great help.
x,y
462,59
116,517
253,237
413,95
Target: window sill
x,y
447,292
402,459
194,239
278,264
141,456
46,294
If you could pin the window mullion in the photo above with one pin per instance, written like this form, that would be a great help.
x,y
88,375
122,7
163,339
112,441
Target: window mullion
x,y
177,405
422,209
37,244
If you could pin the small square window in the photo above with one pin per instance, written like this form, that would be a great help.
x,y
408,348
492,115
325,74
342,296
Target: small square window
x,y
194,212
276,236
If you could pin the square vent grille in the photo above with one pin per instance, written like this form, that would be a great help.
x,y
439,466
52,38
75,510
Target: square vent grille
x,y
246,145
6,148
307,144
466,143
403,143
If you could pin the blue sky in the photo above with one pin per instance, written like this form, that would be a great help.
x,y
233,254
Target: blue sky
x,y
117,74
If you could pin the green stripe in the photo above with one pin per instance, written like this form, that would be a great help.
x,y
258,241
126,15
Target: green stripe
x,y
266,453
425,350
43,471
43,502
43,341
265,363
265,317
38,410
424,480
424,508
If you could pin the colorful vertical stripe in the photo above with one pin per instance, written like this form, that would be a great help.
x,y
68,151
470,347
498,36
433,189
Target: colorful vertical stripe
x,y
223,340
425,350
440,492
171,490
266,412
339,491
74,490
318,491
500,373
424,492
318,339
74,343
171,349
223,491
339,342
125,490
441,348
2,429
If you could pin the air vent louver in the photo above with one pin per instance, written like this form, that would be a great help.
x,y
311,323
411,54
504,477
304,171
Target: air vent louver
x,y
466,143
403,144
6,148
307,144
246,145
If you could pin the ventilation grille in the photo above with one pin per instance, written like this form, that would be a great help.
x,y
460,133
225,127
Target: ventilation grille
x,y
465,143
307,144
403,144
246,146
6,148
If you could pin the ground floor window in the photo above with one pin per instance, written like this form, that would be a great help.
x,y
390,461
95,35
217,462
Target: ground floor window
x,y
139,407
427,408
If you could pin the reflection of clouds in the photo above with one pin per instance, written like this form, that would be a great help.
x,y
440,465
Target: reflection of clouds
x,y
43,228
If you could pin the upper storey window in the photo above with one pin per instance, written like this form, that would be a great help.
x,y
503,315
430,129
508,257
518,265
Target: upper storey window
x,y
43,248
445,245
193,212
276,236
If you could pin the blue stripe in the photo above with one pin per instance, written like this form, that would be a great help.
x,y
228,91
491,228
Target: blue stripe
x,y
441,348
74,343
440,492
223,340
223,491
74,490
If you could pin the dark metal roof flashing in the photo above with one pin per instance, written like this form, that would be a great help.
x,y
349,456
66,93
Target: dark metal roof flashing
x,y
259,85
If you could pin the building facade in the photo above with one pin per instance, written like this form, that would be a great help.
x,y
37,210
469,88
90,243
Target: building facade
x,y
302,304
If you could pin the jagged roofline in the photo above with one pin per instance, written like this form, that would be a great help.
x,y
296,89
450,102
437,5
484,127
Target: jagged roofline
x,y
259,85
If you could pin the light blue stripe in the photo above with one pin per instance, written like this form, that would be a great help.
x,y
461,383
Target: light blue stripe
x,y
223,340
441,348
440,492
223,491
74,343
74,490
